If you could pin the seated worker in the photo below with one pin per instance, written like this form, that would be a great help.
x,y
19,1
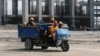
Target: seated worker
x,y
62,25
53,29
31,22
49,27
52,21
24,24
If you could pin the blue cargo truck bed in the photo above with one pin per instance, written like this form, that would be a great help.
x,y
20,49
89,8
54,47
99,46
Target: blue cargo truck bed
x,y
28,32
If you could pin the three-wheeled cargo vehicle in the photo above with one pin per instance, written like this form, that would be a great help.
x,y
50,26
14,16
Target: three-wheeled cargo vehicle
x,y
39,36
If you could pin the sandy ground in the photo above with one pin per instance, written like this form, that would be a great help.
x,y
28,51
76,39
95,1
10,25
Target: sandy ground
x,y
10,45
16,48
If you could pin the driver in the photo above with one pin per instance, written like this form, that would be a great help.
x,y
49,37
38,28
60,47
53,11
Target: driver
x,y
53,29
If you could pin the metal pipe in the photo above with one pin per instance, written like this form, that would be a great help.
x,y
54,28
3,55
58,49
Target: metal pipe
x,y
73,13
39,10
25,10
51,8
15,7
91,14
1,11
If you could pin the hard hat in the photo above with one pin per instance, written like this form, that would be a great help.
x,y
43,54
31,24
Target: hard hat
x,y
60,22
24,23
52,19
31,18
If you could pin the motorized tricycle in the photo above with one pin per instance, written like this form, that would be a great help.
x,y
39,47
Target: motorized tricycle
x,y
40,36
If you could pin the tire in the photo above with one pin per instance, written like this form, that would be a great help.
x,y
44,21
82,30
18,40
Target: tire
x,y
65,46
44,47
28,44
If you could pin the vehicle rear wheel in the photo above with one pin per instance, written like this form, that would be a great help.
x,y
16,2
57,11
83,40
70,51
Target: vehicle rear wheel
x,y
28,44
65,46
44,47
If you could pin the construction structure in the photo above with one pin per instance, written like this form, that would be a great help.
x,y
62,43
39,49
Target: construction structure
x,y
76,13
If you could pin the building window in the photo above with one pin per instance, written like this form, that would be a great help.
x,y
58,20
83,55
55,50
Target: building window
x,y
9,7
81,8
43,6
59,7
67,7
19,7
33,5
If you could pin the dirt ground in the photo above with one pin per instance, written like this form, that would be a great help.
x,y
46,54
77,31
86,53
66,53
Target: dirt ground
x,y
16,48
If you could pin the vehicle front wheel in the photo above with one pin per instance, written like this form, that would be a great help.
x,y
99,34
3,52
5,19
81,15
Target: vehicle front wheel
x,y
65,46
28,44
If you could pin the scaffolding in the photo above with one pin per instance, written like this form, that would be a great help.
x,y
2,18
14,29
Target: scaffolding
x,y
70,11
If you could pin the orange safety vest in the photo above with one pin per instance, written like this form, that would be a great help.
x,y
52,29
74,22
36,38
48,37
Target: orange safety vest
x,y
53,30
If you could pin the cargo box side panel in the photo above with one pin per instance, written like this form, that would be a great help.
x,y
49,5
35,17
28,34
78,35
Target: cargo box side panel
x,y
28,32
